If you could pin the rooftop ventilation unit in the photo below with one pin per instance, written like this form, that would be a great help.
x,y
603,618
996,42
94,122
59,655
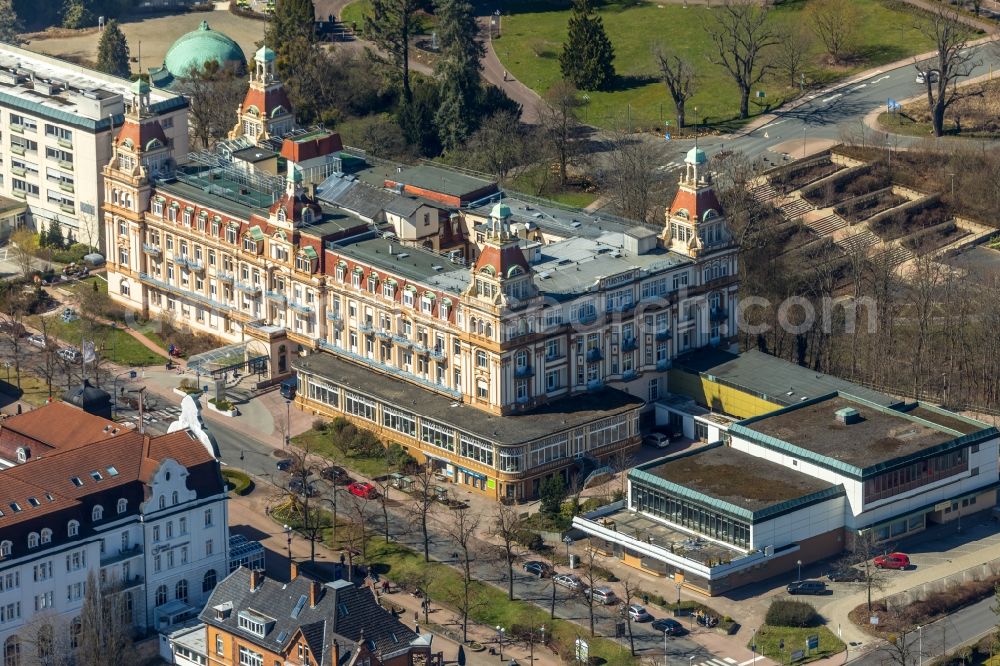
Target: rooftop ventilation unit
x,y
847,415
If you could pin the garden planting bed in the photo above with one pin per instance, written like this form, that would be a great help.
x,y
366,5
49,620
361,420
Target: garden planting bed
x,y
853,184
791,180
909,221
861,208
932,238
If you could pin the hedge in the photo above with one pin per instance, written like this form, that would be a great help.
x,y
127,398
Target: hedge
x,y
239,482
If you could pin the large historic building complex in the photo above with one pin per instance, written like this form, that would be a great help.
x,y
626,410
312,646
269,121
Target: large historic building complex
x,y
418,301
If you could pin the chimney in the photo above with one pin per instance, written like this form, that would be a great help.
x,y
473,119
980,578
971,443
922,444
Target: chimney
x,y
315,593
256,578
294,572
336,651
847,416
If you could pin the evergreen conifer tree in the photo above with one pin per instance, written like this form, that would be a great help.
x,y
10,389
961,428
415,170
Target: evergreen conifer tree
x,y
10,24
457,70
54,236
112,51
587,59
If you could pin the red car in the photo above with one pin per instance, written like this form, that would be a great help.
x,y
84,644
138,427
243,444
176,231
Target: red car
x,y
893,561
363,489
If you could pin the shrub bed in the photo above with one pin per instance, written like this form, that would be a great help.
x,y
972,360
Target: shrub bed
x,y
788,613
239,482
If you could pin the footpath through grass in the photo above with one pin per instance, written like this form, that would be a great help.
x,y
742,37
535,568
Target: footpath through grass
x,y
321,444
534,33
769,638
114,344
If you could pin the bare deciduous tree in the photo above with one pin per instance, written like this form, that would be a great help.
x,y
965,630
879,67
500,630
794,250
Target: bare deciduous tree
x,y
462,530
864,550
678,76
25,244
741,33
629,590
106,625
630,176
502,145
506,524
791,52
560,124
835,23
423,501
953,61
590,580
214,92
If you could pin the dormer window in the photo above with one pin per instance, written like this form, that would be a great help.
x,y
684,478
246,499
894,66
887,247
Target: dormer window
x,y
97,513
122,505
23,453
255,624
5,548
46,535
73,528
187,216
304,263
249,244
158,206
307,216
33,540
281,215
388,289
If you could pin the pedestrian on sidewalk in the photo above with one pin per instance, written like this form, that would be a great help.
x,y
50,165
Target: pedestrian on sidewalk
x,y
505,75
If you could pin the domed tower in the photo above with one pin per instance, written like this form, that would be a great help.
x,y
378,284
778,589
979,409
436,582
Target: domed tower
x,y
501,274
694,222
265,111
139,152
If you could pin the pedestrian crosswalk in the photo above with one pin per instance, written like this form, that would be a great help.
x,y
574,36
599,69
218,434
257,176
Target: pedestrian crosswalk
x,y
722,661
669,166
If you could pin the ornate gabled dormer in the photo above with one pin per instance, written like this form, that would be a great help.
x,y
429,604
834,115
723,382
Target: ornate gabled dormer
x,y
695,224
295,207
501,274
265,111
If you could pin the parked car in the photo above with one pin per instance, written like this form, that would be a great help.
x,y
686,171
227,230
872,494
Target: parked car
x,y
296,486
846,575
656,439
807,587
603,595
931,74
363,489
284,464
38,340
570,581
638,613
536,568
893,561
69,314
333,473
669,626
70,355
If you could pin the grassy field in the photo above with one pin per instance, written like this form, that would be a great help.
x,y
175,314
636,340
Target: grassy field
x,y
533,36
355,13
768,639
978,116
321,444
34,390
117,345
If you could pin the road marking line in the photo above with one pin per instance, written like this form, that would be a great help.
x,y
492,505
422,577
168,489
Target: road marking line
x,y
747,662
729,660
881,78
859,87
832,97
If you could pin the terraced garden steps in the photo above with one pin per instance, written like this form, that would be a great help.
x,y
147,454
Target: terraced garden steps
x,y
825,226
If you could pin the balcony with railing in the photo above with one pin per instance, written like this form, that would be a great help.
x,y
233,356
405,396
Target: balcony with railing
x,y
663,335
389,369
121,555
595,384
301,308
226,277
152,250
384,333
630,344
629,375
149,280
524,371
252,290
366,327
718,314
437,353
594,355
333,316
663,364
275,297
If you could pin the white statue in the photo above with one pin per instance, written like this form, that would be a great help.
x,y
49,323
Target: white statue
x,y
190,419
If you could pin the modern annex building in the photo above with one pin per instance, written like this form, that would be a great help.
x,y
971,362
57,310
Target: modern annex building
x,y
146,516
797,484
504,341
58,121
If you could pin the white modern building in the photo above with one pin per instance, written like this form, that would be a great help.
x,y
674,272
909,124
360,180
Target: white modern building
x,y
57,120
146,515
796,485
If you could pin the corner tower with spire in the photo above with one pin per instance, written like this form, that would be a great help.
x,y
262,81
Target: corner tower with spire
x,y
501,273
695,223
265,111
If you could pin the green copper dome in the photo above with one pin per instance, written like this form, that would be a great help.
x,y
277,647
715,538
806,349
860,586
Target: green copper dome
x,y
200,46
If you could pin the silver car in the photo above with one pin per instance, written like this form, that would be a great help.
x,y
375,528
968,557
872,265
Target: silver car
x,y
571,581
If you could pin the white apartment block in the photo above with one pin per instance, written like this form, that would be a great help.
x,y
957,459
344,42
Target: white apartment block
x,y
56,124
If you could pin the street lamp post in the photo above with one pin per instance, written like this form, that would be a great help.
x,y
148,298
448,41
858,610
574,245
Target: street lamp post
x,y
920,645
567,541
664,647
288,422
288,536
799,564
500,632
114,386
678,599
753,648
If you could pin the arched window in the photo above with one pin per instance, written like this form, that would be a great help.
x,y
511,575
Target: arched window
x,y
5,548
75,629
72,528
22,454
161,595
97,513
33,540
43,642
163,502
123,288
46,535
209,581
12,651
122,505
173,498
181,591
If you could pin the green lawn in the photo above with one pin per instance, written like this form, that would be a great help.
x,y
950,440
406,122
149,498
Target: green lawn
x,y
34,390
533,36
88,283
116,345
321,444
355,13
768,639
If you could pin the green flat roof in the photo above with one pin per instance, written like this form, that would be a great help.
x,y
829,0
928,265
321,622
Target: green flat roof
x,y
736,483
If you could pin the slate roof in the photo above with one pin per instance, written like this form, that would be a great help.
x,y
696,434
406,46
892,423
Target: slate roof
x,y
344,613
